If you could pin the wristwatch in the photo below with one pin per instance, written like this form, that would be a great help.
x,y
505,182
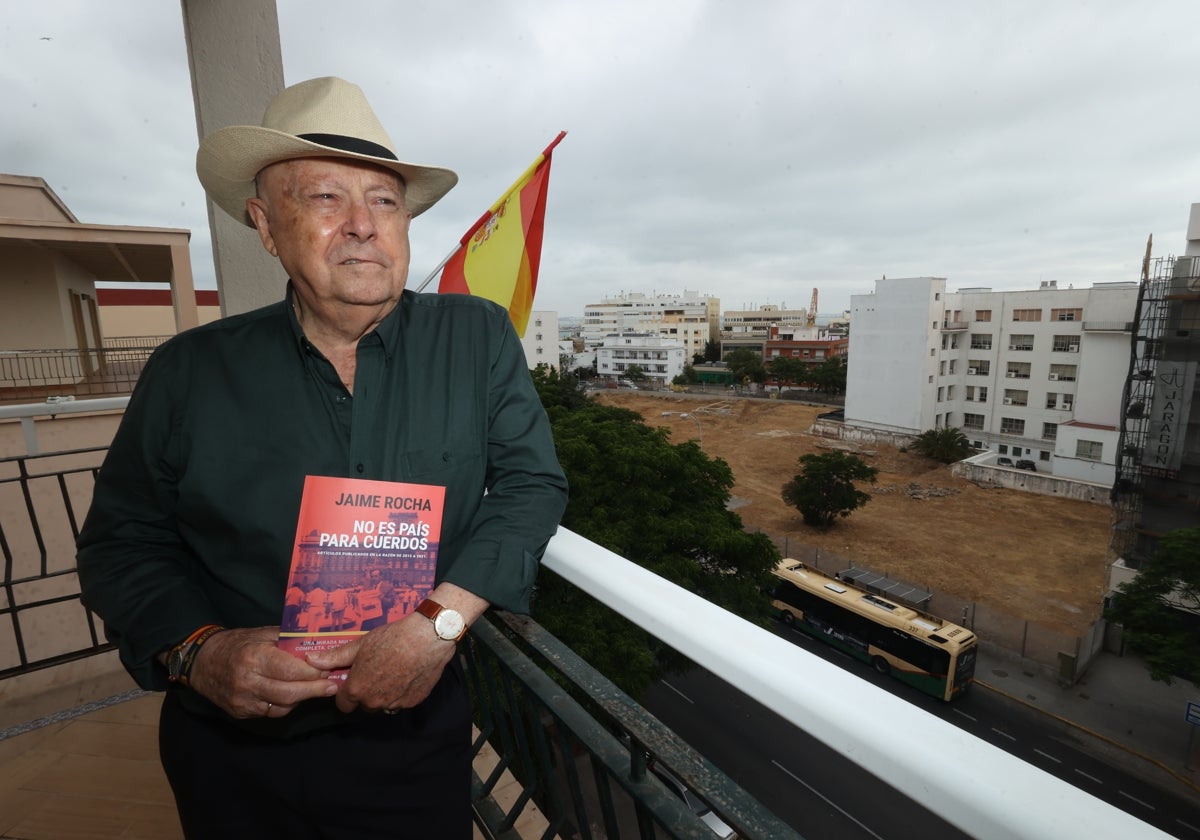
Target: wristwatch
x,y
447,623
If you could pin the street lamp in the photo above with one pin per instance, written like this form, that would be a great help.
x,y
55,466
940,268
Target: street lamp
x,y
690,416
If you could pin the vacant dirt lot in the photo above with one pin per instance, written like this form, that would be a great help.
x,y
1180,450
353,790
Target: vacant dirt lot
x,y
1034,557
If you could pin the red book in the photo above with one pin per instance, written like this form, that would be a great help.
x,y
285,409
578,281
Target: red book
x,y
365,555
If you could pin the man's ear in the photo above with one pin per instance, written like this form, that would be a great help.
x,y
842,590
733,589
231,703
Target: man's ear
x,y
257,208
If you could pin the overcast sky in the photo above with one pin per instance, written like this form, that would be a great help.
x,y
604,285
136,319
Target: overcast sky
x,y
748,150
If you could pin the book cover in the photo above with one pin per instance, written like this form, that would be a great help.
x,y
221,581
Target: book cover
x,y
365,555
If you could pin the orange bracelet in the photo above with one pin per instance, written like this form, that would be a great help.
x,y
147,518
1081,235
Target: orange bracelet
x,y
183,655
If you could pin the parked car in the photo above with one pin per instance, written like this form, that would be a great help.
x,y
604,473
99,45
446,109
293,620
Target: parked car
x,y
1026,465
1004,462
699,807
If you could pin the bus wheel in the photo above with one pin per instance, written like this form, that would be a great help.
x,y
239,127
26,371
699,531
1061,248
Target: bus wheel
x,y
787,618
881,665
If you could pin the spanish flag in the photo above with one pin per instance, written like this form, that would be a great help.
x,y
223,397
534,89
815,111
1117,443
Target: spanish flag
x,y
498,257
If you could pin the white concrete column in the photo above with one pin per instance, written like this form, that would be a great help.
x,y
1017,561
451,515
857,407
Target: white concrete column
x,y
237,68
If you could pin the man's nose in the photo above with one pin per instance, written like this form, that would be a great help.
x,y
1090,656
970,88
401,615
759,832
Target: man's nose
x,y
360,221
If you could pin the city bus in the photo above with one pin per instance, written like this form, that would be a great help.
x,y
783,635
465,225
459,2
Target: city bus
x,y
930,654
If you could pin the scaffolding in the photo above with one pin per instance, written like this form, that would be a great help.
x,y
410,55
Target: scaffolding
x,y
1152,494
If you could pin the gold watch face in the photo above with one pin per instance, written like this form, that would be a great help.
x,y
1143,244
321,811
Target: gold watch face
x,y
449,625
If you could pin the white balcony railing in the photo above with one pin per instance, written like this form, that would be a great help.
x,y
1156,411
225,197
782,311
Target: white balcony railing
x,y
983,790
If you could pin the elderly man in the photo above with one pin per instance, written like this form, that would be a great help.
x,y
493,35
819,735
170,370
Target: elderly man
x,y
186,549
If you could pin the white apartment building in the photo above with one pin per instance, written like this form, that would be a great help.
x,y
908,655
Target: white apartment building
x,y
691,319
540,341
1030,375
749,328
661,359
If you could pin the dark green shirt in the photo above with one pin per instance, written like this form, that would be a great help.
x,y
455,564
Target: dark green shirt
x,y
194,512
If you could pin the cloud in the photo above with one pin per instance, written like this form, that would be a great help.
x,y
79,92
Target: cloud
x,y
751,151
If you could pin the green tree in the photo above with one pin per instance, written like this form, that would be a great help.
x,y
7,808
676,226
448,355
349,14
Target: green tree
x,y
829,376
745,365
1151,607
712,351
824,488
788,371
662,506
557,391
945,445
634,373
687,377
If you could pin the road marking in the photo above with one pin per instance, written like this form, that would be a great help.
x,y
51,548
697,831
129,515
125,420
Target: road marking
x,y
1047,755
1135,799
1087,776
971,718
680,693
1189,827
827,800
1005,735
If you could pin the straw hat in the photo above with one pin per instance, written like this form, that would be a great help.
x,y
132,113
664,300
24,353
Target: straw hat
x,y
326,117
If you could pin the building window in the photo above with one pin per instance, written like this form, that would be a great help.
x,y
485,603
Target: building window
x,y
981,341
942,368
953,341
953,365
978,367
1043,455
1066,314
1002,449
1066,344
1027,314
1062,373
1049,431
983,314
1089,450
1011,426
973,421
949,392
1018,370
1051,400
983,394
940,392
1020,342
1012,397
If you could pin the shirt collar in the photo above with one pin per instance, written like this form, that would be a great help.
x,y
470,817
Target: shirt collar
x,y
386,333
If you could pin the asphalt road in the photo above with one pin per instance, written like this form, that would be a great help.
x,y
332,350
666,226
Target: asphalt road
x,y
821,794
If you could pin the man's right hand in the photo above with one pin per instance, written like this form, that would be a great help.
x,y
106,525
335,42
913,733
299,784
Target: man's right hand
x,y
244,673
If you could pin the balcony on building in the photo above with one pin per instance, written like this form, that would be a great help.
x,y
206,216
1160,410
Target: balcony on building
x,y
954,326
1108,326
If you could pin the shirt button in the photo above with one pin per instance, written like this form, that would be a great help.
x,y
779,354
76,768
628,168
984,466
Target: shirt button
x,y
341,398
360,468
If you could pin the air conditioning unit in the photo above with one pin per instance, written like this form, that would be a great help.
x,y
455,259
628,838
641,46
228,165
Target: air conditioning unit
x,y
1012,374
1008,400
972,371
1054,377
1074,348
1066,406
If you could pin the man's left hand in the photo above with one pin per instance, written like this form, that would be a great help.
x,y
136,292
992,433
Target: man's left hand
x,y
396,666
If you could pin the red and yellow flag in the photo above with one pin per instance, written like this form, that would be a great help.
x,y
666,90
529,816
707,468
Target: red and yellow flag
x,y
498,257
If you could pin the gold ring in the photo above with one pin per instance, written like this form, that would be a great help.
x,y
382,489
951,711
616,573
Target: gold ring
x,y
391,711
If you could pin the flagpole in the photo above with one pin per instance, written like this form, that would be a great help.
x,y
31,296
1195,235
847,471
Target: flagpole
x,y
503,196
